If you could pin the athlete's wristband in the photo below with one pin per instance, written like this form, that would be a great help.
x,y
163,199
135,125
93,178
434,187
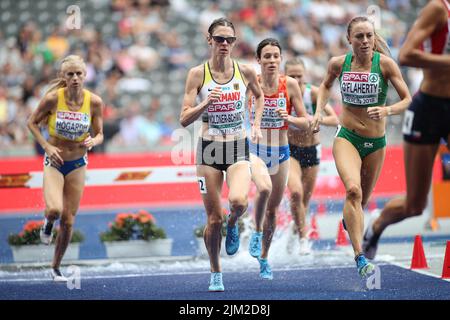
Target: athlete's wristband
x,y
389,111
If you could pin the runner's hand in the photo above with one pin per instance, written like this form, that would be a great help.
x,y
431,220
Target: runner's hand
x,y
53,153
256,134
88,142
377,113
315,124
282,113
214,95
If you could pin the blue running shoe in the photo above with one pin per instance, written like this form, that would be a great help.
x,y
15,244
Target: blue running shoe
x,y
264,269
254,246
232,239
365,268
215,284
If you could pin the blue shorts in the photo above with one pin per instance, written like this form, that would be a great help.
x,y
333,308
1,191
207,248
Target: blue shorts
x,y
272,156
68,166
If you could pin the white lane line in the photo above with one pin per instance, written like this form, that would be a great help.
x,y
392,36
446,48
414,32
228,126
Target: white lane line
x,y
421,271
136,275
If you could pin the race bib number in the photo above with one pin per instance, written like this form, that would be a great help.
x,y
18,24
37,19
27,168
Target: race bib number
x,y
226,118
337,130
270,118
319,151
202,185
46,160
360,88
408,122
71,125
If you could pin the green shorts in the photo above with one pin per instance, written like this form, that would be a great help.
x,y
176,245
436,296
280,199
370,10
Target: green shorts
x,y
364,145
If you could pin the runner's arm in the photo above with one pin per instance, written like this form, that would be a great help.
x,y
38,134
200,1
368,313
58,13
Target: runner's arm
x,y
432,18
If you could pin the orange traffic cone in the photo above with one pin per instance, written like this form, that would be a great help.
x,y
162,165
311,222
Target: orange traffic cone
x,y
446,267
341,239
418,260
314,231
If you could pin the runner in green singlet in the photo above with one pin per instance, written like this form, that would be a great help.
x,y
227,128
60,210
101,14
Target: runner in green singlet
x,y
359,146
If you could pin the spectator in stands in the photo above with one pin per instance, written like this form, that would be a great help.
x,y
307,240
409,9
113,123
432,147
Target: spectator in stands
x,y
175,55
27,51
57,43
130,125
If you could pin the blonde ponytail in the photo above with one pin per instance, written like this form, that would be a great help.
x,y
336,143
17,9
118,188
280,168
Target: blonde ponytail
x,y
60,82
56,84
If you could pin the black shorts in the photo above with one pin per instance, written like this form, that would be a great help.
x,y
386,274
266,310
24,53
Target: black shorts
x,y
427,119
306,156
222,154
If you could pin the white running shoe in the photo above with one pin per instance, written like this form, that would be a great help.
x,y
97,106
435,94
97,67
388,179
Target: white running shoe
x,y
58,276
305,247
216,284
46,232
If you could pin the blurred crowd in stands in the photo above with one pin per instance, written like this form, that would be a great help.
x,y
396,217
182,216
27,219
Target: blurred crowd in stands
x,y
138,52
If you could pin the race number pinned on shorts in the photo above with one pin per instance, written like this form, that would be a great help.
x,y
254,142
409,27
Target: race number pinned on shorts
x,y
319,151
408,122
47,162
337,130
202,185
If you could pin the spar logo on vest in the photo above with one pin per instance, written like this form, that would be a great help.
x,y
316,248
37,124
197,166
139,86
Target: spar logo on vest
x,y
71,125
360,88
281,101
